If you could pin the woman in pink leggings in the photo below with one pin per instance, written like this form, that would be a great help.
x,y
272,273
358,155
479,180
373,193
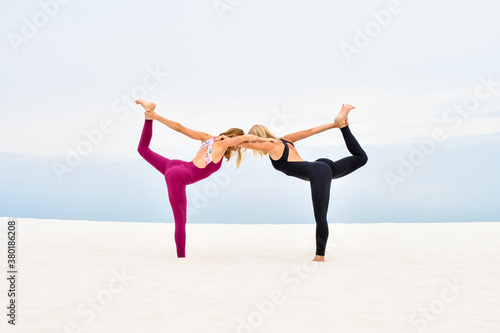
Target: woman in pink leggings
x,y
179,173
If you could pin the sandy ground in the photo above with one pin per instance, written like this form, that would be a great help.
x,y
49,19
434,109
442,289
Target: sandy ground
x,y
78,276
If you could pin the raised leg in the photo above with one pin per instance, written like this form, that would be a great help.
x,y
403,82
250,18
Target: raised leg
x,y
349,164
156,160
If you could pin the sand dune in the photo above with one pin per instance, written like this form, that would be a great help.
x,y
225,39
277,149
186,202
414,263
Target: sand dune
x,y
78,276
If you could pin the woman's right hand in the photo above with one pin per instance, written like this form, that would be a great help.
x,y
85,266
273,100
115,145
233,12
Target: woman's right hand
x,y
275,141
150,115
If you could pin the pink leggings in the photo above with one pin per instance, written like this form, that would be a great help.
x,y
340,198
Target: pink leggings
x,y
177,174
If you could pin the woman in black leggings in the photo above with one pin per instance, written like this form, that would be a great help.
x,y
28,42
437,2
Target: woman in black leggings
x,y
320,173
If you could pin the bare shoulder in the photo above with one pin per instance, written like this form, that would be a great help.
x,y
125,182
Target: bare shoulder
x,y
288,137
275,151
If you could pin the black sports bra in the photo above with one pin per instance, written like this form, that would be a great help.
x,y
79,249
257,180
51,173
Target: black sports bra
x,y
280,164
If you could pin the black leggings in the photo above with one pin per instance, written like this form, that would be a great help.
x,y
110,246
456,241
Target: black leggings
x,y
320,174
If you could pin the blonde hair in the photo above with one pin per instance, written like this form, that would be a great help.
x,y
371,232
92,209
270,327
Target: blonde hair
x,y
232,132
262,132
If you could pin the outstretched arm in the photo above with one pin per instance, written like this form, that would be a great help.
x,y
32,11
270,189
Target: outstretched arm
x,y
150,114
239,140
264,146
294,137
196,135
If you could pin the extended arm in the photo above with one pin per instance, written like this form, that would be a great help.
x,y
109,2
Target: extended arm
x,y
264,146
294,137
196,135
238,140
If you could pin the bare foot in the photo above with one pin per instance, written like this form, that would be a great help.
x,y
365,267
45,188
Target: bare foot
x,y
319,258
148,106
341,118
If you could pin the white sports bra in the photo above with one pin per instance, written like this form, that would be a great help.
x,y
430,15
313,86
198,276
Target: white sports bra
x,y
208,143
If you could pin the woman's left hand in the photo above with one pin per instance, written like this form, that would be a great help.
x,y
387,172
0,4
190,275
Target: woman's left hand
x,y
275,141
221,137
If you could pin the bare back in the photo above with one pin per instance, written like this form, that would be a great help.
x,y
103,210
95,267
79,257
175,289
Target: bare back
x,y
293,155
200,160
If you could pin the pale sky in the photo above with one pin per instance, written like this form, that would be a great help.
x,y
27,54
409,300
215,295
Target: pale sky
x,y
411,68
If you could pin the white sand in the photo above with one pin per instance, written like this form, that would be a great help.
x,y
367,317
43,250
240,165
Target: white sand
x,y
256,278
